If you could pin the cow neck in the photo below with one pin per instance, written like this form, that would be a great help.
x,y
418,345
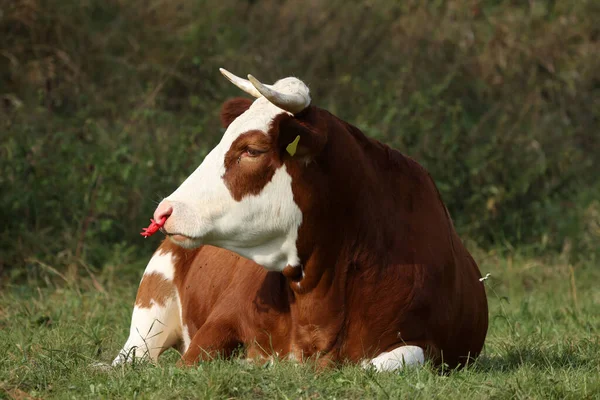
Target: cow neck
x,y
335,192
317,304
334,234
359,200
316,274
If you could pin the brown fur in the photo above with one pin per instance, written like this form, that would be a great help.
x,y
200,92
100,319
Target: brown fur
x,y
154,288
383,264
397,264
232,109
248,175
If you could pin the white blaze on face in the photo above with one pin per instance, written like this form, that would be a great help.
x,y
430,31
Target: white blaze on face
x,y
262,227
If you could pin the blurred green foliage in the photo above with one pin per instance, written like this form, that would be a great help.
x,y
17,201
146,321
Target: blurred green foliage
x,y
106,106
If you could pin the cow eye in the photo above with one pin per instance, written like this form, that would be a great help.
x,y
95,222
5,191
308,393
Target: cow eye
x,y
250,152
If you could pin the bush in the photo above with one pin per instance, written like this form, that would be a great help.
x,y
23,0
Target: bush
x,y
108,105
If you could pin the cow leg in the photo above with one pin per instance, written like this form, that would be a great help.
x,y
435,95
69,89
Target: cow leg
x,y
155,323
214,338
400,357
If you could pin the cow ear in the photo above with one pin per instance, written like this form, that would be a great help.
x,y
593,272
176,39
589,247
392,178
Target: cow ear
x,y
232,109
297,136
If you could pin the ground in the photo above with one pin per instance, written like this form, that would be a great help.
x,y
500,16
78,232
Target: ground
x,y
543,342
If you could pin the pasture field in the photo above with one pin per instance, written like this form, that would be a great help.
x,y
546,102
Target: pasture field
x,y
543,342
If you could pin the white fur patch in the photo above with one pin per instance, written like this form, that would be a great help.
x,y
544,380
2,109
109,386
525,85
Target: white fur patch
x,y
400,357
185,334
269,236
186,339
152,330
161,263
158,327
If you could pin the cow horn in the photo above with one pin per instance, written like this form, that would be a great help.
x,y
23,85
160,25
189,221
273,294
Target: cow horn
x,y
242,83
293,103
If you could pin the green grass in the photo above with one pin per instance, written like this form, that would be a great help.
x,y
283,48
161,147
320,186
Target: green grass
x,y
543,342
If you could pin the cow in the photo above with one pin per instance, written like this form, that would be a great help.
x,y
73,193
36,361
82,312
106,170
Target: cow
x,y
298,237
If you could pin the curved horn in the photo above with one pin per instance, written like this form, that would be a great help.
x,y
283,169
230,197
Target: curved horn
x,y
293,103
242,83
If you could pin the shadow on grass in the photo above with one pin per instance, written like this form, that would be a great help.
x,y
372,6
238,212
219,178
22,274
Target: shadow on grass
x,y
580,355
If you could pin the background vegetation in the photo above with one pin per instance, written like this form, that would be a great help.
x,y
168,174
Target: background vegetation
x,y
107,105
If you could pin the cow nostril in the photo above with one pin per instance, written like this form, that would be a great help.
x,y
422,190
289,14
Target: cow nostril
x,y
164,210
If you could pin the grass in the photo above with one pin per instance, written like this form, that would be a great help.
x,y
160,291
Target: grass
x,y
543,342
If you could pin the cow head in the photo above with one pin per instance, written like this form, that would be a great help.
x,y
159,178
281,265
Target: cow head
x,y
240,197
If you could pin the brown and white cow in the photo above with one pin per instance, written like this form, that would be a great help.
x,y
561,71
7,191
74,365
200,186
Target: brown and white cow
x,y
300,237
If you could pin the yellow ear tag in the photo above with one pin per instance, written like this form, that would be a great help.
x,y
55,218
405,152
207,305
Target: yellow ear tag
x,y
292,147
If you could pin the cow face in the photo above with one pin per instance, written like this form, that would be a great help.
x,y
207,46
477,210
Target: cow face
x,y
240,197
